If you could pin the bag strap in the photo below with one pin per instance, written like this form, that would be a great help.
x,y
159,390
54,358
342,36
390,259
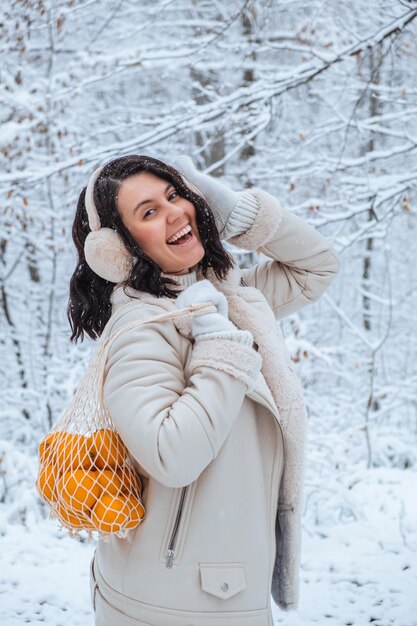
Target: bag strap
x,y
193,310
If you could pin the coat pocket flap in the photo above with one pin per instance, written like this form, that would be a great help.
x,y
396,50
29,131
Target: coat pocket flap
x,y
222,580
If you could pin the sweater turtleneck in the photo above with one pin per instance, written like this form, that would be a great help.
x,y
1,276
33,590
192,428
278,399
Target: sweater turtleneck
x,y
183,280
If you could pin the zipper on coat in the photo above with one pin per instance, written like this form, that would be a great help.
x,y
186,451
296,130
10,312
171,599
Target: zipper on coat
x,y
174,534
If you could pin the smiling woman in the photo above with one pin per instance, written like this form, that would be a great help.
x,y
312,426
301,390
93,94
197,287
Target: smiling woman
x,y
207,405
132,206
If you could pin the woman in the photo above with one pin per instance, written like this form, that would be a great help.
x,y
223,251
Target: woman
x,y
209,407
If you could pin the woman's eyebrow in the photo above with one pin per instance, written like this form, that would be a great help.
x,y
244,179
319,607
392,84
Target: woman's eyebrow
x,y
146,201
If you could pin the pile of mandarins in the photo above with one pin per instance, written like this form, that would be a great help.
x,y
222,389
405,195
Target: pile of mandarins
x,y
88,483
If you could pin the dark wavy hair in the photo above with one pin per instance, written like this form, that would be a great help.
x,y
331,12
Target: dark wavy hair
x,y
89,306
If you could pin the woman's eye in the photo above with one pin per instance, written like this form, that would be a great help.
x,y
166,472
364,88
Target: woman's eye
x,y
172,195
148,213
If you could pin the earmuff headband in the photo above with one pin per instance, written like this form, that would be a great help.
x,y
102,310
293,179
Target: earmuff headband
x,y
90,207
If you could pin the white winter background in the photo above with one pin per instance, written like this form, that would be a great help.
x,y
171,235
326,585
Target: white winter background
x,y
315,102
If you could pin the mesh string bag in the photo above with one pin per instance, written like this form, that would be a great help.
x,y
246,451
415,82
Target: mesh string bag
x,y
86,474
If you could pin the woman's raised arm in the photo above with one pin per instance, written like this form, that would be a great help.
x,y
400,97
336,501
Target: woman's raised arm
x,y
303,262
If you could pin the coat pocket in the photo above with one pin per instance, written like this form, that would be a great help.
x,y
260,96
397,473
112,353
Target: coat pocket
x,y
223,580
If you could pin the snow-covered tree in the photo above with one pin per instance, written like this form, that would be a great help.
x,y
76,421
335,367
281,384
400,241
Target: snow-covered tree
x,y
315,102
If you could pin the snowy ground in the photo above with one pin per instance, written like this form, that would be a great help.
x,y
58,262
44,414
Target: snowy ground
x,y
359,572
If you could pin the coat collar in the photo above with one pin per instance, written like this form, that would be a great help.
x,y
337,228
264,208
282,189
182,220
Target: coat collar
x,y
232,281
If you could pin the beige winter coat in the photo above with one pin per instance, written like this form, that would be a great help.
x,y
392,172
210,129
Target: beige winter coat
x,y
210,444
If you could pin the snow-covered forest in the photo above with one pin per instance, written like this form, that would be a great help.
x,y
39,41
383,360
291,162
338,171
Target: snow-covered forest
x,y
315,102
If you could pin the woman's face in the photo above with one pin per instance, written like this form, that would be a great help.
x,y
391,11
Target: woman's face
x,y
161,221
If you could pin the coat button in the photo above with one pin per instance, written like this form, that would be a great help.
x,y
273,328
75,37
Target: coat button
x,y
224,587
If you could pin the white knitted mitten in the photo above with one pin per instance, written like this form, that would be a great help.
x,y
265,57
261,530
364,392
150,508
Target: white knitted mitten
x,y
219,344
211,323
235,212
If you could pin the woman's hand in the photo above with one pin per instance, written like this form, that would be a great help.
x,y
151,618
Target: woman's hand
x,y
204,291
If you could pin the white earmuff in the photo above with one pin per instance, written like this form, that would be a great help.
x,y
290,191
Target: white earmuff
x,y
104,250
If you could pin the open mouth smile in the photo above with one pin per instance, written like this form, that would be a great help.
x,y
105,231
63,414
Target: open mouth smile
x,y
181,237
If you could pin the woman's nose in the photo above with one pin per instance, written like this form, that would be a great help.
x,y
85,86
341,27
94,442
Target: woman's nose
x,y
174,211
